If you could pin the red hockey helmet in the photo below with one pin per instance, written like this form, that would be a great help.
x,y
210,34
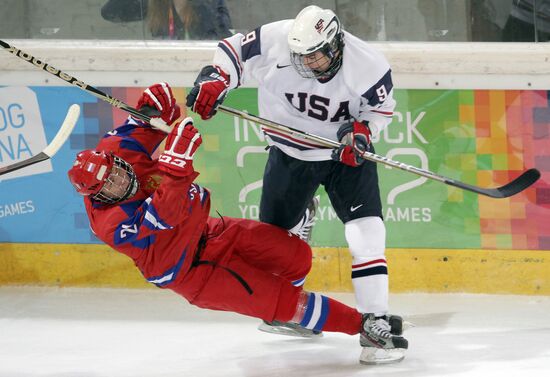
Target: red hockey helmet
x,y
103,176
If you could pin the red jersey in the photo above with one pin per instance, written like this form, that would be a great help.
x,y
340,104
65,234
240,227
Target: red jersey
x,y
160,226
244,266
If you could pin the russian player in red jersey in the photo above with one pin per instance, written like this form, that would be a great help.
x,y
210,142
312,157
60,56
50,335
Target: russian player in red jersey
x,y
152,211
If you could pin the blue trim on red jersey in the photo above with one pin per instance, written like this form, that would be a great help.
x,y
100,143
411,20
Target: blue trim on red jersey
x,y
132,145
149,208
130,208
173,271
128,142
128,231
205,197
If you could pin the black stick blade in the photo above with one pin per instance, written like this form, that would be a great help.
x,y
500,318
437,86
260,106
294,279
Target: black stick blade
x,y
520,183
525,180
22,164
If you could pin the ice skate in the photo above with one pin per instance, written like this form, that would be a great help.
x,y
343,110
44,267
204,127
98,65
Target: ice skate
x,y
397,325
305,227
381,340
288,328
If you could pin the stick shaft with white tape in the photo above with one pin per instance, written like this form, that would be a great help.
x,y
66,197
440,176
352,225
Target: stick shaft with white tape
x,y
525,180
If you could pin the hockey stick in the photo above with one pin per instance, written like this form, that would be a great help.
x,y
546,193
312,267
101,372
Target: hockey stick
x,y
155,122
526,179
519,184
62,135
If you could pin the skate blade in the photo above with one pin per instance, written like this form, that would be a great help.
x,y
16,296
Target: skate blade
x,y
408,325
375,356
282,330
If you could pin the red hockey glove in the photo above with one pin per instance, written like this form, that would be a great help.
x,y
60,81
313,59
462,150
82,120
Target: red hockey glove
x,y
160,98
355,137
211,87
181,145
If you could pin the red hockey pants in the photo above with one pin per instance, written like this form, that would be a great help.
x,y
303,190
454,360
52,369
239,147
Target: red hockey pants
x,y
247,267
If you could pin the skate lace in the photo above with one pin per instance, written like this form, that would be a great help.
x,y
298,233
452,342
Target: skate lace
x,y
380,328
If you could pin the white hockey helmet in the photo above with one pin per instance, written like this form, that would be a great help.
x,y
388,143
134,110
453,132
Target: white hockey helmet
x,y
316,29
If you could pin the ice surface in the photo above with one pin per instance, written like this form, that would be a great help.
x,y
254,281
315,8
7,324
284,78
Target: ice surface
x,y
68,332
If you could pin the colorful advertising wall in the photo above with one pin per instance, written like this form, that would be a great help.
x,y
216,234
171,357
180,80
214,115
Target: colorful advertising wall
x,y
481,137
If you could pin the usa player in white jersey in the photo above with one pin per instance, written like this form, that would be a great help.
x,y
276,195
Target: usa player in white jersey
x,y
315,77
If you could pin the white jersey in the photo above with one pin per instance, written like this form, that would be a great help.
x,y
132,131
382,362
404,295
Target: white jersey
x,y
361,89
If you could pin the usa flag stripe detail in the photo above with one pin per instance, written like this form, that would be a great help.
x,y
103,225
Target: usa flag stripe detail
x,y
377,270
233,56
376,261
370,268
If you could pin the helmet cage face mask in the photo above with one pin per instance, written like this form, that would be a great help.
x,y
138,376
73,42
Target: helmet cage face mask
x,y
121,174
103,177
332,51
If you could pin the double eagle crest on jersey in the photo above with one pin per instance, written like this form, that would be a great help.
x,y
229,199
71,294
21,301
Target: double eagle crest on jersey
x,y
152,182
